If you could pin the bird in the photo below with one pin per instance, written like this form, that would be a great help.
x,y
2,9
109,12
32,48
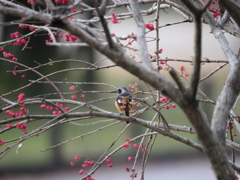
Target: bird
x,y
123,101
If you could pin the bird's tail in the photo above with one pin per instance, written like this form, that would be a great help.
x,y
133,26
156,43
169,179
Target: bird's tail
x,y
126,113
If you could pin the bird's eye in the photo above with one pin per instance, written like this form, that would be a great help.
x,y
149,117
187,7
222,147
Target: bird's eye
x,y
119,101
119,91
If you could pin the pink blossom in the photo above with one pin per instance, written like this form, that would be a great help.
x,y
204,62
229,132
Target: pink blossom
x,y
21,97
128,139
144,150
15,35
22,26
108,159
127,169
126,145
167,106
73,10
1,142
76,157
136,146
110,165
182,68
149,26
81,171
82,96
9,126
49,108
43,106
66,109
84,165
72,87
74,97
114,19
130,158
25,131
164,99
32,28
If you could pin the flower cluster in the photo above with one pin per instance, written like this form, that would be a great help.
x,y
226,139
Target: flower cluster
x,y
69,37
23,26
57,110
61,1
50,40
165,99
21,126
22,111
18,42
215,10
85,164
169,106
15,35
74,97
183,71
108,160
136,146
9,55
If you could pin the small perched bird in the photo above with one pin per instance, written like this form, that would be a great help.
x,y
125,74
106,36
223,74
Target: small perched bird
x,y
123,101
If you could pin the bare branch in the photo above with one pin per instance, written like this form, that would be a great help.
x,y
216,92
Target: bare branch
x,y
38,73
213,72
197,13
24,12
101,13
194,9
142,45
177,79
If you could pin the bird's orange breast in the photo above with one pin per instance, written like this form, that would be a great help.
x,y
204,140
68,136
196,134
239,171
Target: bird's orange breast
x,y
119,108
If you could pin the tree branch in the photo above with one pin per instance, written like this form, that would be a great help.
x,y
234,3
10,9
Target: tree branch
x,y
101,12
197,13
233,9
232,87
176,78
142,45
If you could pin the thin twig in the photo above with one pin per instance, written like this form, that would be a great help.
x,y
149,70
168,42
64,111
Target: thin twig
x,y
213,72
